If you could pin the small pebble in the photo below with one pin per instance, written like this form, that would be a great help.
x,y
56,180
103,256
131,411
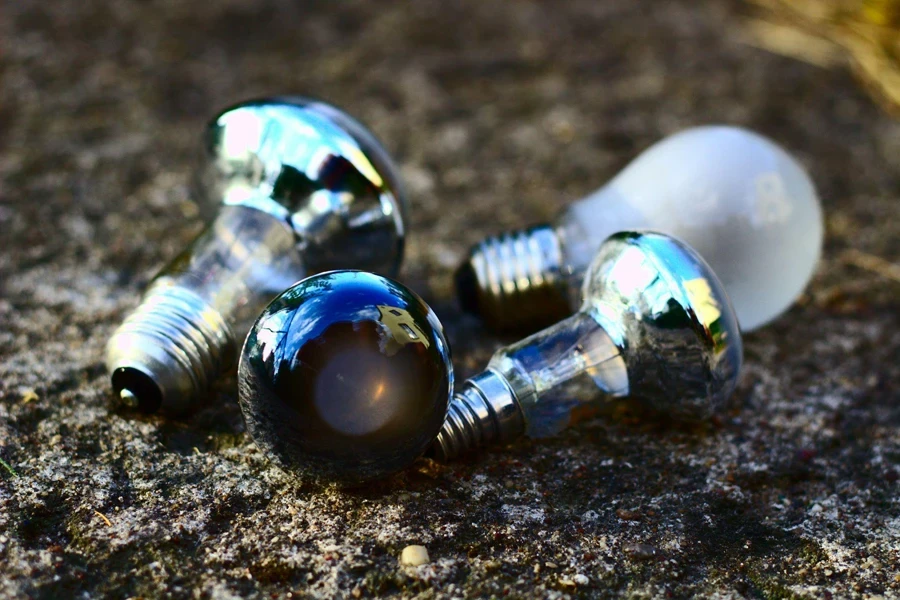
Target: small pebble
x,y
414,556
581,579
491,565
628,515
640,551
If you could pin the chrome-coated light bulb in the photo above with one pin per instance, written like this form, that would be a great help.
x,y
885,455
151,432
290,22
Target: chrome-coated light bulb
x,y
742,202
345,377
302,188
656,325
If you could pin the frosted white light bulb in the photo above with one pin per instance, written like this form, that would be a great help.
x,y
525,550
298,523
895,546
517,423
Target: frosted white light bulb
x,y
737,198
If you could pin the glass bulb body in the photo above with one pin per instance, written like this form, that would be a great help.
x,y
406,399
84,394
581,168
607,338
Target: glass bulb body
x,y
655,325
561,372
345,377
738,199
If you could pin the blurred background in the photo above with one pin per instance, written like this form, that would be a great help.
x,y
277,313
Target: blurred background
x,y
500,113
862,33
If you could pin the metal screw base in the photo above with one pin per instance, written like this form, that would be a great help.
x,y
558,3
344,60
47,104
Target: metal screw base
x,y
168,350
484,411
515,279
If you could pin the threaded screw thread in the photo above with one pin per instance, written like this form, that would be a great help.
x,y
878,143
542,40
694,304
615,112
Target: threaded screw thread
x,y
169,350
515,279
484,411
463,430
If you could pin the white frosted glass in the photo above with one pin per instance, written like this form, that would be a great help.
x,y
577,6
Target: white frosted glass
x,y
737,198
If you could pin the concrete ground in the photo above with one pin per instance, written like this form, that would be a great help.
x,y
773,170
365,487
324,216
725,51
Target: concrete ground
x,y
500,113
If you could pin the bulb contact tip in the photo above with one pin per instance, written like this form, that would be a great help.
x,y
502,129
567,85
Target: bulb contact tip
x,y
128,398
166,353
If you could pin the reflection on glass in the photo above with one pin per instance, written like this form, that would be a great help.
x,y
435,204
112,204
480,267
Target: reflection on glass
x,y
401,329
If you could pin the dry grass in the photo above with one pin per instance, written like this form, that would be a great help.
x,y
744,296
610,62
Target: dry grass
x,y
828,32
104,517
872,263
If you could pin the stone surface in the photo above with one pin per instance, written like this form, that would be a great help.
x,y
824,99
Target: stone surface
x,y
499,113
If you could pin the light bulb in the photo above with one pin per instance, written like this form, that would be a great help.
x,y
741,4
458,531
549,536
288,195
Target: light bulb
x,y
345,377
656,325
737,198
301,188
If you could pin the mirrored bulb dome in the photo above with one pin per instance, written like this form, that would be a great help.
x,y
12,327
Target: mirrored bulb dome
x,y
345,377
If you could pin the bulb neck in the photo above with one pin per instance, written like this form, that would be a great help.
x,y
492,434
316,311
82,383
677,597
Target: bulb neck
x,y
485,411
185,332
516,280
536,387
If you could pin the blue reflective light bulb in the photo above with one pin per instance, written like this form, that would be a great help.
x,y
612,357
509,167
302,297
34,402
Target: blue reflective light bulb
x,y
345,377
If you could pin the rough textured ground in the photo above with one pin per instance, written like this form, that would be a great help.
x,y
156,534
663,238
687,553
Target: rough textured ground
x,y
500,112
